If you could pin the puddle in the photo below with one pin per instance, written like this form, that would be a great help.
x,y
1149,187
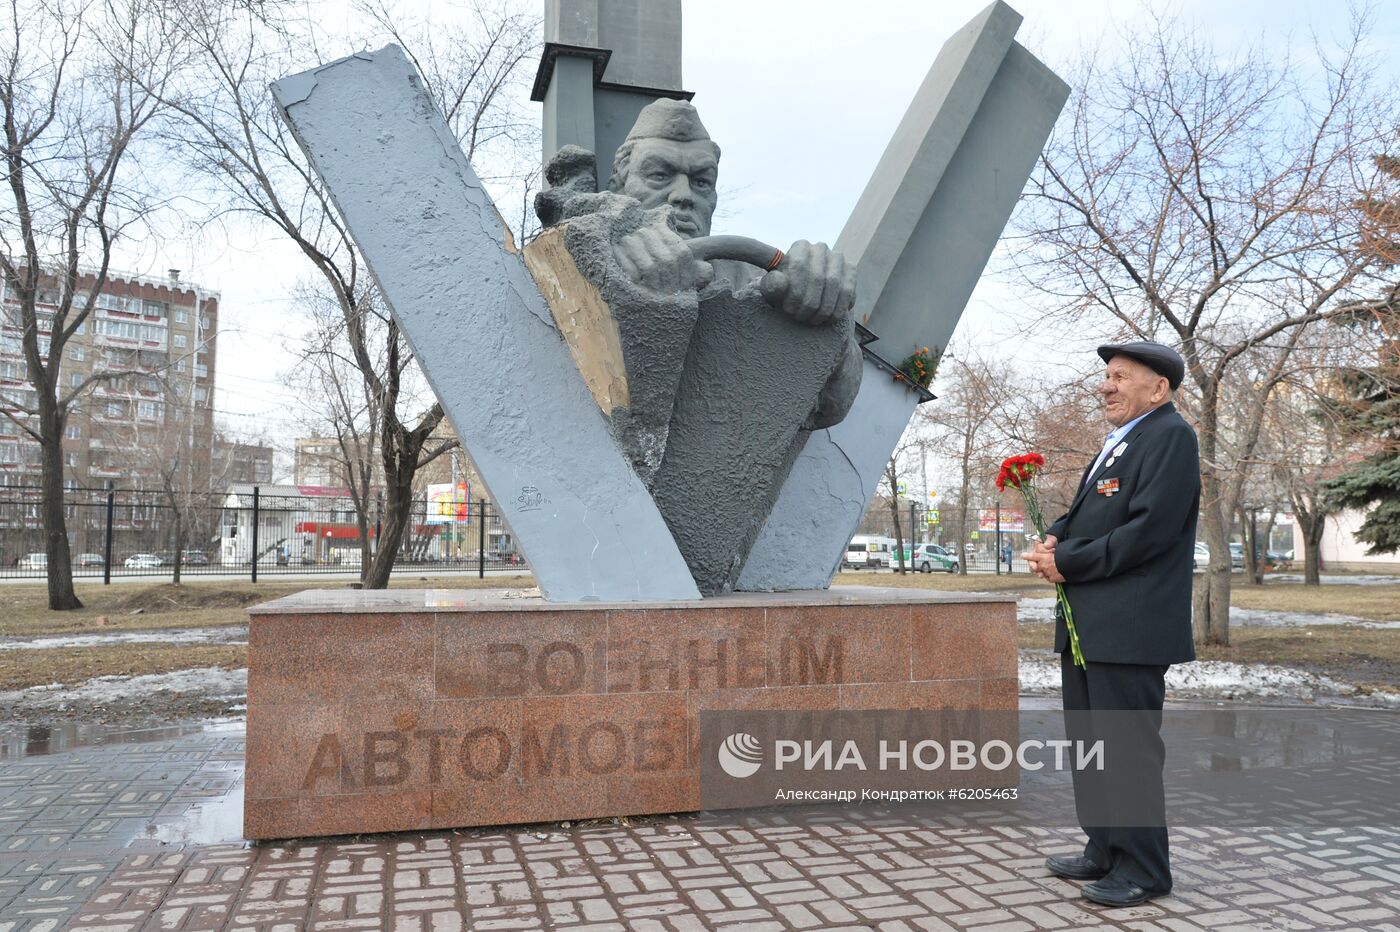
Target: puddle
x,y
226,634
21,741
209,822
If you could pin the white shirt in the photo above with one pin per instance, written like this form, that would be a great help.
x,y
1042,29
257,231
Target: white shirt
x,y
1114,438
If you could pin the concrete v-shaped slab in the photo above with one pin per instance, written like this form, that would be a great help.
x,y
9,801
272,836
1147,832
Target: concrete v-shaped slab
x,y
446,263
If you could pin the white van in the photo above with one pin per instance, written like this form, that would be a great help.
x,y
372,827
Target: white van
x,y
867,552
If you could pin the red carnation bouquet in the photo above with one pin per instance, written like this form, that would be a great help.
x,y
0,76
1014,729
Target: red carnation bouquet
x,y
1019,472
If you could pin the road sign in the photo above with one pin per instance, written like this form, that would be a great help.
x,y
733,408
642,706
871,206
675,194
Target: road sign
x,y
931,517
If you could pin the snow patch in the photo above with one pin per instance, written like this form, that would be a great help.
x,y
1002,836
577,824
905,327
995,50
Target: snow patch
x,y
1042,611
227,634
1217,679
210,682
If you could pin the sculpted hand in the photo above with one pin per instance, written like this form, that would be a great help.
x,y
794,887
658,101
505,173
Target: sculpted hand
x,y
659,260
813,284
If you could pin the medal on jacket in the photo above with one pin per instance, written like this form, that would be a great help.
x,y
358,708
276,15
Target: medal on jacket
x,y
1106,486
1117,452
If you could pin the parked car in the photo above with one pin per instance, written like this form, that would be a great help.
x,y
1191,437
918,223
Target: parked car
x,y
866,552
1202,555
1236,556
1279,556
142,561
33,561
87,560
187,558
930,557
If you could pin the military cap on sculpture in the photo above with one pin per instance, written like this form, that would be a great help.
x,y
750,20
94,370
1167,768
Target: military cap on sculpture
x,y
1158,357
677,120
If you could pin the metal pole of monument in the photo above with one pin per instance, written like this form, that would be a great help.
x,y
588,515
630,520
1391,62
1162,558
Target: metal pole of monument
x,y
107,541
481,541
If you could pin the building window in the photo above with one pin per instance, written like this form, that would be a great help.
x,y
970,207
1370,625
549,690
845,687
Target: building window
x,y
70,485
75,379
72,432
180,341
200,395
179,365
114,409
76,353
70,459
182,316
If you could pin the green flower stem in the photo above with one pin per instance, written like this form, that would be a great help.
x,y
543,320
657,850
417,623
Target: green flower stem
x,y
1033,506
1069,623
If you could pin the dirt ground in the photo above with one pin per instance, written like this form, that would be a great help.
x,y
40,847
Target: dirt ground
x,y
69,665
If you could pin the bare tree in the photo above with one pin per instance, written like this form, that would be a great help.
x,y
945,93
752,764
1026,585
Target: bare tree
x,y
1214,201
81,83
185,465
342,406
231,134
966,423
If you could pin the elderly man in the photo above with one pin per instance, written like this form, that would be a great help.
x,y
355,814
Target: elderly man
x,y
1124,553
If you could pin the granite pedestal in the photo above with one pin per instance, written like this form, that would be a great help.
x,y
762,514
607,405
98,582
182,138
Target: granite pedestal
x,y
411,709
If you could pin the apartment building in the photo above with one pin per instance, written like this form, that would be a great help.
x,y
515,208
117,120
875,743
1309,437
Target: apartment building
x,y
164,331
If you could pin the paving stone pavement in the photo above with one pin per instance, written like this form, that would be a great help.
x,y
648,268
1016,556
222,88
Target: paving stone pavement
x,y
144,836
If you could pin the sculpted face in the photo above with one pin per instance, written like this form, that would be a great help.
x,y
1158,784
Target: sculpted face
x,y
681,175
1131,389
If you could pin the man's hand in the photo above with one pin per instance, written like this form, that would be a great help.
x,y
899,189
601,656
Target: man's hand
x,y
1041,559
656,258
813,284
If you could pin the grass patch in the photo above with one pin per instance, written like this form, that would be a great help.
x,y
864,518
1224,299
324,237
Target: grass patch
x,y
195,604
1377,603
72,665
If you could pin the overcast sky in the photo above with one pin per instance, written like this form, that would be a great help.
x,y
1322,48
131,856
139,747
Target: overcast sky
x,y
802,95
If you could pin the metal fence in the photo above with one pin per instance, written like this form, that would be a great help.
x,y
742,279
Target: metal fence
x,y
131,532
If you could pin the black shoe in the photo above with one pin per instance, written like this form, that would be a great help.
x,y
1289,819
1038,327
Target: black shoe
x,y
1114,891
1079,868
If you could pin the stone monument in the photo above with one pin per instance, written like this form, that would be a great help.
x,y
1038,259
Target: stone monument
x,y
681,428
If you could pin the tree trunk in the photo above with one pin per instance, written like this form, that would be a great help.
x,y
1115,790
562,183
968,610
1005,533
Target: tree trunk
x,y
1314,525
894,514
1211,604
366,551
1251,546
398,513
60,556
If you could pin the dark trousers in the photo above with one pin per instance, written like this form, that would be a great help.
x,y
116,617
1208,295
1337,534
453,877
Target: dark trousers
x,y
1122,808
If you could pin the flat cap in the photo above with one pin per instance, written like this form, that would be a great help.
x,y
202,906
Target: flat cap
x,y
1161,359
